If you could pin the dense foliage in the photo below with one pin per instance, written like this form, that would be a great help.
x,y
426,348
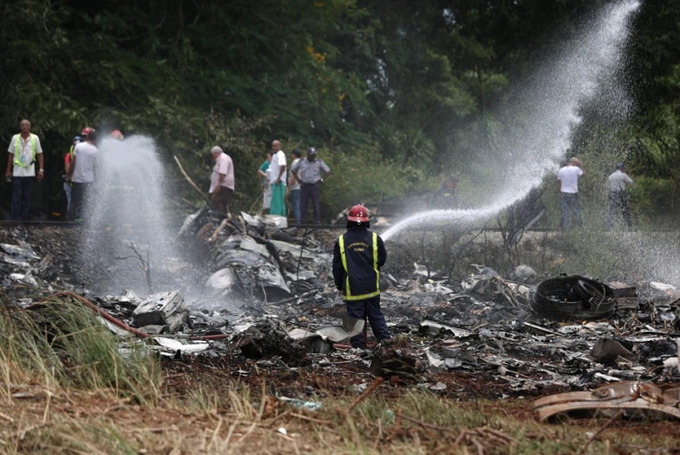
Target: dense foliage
x,y
394,93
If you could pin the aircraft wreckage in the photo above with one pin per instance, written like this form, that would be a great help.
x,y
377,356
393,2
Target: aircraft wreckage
x,y
267,296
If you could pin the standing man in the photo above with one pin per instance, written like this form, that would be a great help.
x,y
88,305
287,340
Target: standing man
x,y
446,194
81,171
357,258
308,172
294,188
67,166
278,180
569,203
618,199
221,181
24,149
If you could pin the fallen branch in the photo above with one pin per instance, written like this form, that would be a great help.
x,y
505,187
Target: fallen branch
x,y
312,419
374,385
257,199
219,229
470,437
598,432
146,265
191,182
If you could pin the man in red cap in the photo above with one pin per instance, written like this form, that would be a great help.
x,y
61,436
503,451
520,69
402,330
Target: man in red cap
x,y
357,258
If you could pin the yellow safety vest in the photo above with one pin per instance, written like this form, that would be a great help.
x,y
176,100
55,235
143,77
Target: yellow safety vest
x,y
348,291
17,152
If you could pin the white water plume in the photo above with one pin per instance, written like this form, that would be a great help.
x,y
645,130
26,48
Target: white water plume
x,y
126,210
545,115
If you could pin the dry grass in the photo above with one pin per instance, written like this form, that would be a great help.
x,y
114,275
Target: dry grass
x,y
98,422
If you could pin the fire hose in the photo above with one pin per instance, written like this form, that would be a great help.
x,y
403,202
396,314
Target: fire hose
x,y
115,321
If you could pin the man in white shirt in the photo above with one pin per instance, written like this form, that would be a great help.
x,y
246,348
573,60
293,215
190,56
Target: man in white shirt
x,y
221,180
81,171
24,149
618,199
568,177
278,180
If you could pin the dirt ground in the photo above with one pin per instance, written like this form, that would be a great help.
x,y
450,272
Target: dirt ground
x,y
77,422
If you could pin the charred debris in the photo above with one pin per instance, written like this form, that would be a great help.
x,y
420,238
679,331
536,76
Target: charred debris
x,y
261,294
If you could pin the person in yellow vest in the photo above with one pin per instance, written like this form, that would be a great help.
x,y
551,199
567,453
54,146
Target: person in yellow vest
x,y
24,149
67,165
357,258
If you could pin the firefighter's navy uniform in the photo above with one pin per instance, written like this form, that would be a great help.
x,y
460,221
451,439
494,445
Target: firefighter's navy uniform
x,y
357,258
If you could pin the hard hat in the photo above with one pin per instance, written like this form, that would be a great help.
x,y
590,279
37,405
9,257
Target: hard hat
x,y
358,213
76,139
117,134
87,130
311,151
620,166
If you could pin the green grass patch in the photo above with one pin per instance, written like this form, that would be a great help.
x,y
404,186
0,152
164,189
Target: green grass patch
x,y
62,344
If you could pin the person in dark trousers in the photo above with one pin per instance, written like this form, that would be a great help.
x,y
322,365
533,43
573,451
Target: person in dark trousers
x,y
618,199
357,258
23,152
67,165
308,173
293,189
568,177
81,172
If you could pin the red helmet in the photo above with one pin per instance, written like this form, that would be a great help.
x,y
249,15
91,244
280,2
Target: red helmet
x,y
358,213
87,130
117,135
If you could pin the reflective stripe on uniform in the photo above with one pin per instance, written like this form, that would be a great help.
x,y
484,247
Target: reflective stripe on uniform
x,y
348,293
17,153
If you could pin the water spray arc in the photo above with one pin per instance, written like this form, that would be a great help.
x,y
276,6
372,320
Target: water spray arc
x,y
126,222
549,110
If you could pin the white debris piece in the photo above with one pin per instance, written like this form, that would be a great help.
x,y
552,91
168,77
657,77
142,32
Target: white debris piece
x,y
186,347
350,327
662,286
166,308
222,280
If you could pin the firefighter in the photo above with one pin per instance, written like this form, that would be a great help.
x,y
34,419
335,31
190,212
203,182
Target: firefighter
x,y
357,257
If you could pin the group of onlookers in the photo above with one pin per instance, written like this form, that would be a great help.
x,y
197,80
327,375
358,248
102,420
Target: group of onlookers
x,y
303,185
25,151
570,205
